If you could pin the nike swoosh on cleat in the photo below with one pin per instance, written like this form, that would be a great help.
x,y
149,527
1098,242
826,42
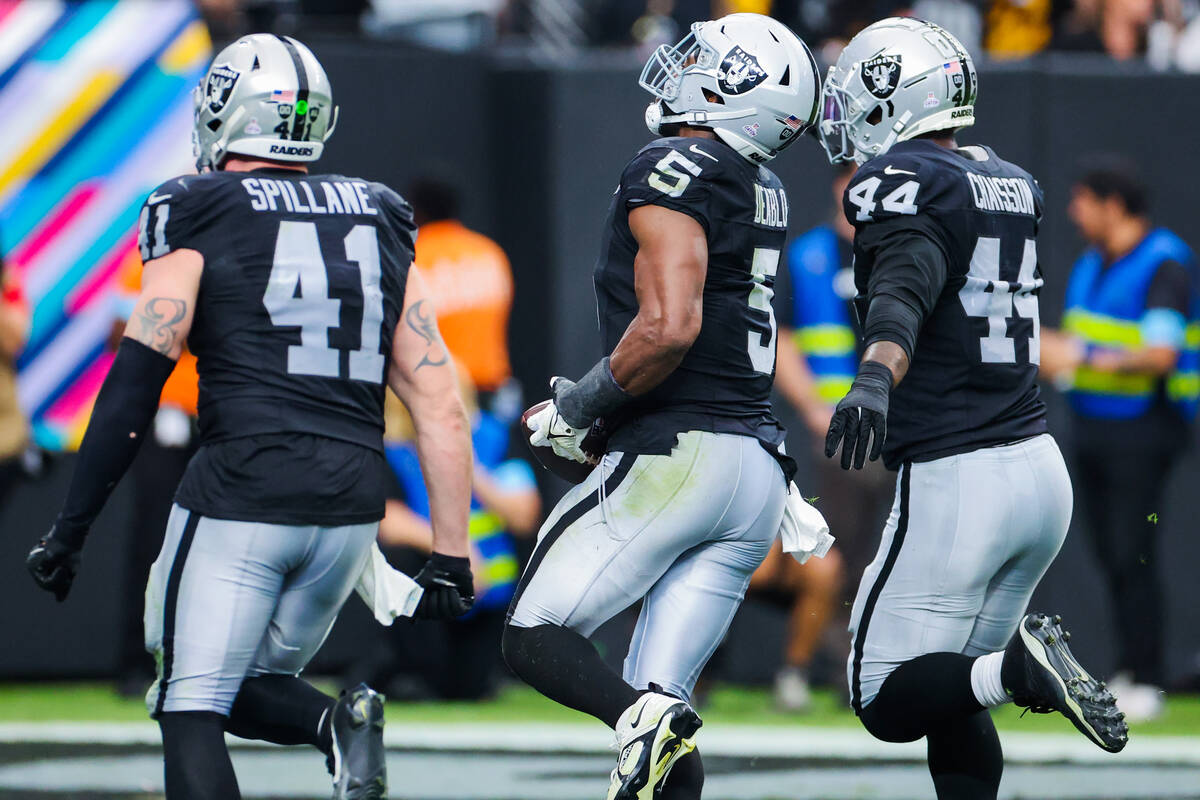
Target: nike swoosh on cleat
x,y
635,722
890,170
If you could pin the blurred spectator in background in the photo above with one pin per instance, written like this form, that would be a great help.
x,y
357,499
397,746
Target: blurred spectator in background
x,y
811,592
1019,28
14,429
471,284
1134,351
155,475
458,659
819,347
446,24
1165,32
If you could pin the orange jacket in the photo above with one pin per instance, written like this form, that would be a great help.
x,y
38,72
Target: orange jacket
x,y
472,287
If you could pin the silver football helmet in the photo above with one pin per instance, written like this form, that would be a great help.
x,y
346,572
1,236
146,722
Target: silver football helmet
x,y
896,79
745,76
265,96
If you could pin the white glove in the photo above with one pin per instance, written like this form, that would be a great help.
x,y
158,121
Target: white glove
x,y
551,430
387,591
804,531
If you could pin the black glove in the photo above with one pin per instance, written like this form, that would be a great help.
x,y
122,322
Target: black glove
x,y
449,588
861,414
54,560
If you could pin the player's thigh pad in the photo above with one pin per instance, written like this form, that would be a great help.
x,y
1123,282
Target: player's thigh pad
x,y
210,599
313,594
688,610
614,535
957,524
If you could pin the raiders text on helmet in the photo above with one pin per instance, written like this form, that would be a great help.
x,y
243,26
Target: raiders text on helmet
x,y
897,79
264,96
745,76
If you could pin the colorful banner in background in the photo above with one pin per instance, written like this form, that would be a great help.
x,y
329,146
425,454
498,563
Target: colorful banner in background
x,y
95,111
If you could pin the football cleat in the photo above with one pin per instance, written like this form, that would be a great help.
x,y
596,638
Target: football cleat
x,y
652,734
359,760
1042,675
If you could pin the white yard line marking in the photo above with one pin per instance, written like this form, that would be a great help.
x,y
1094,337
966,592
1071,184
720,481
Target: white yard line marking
x,y
727,740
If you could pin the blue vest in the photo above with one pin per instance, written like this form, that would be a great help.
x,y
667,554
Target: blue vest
x,y
494,545
824,332
1104,308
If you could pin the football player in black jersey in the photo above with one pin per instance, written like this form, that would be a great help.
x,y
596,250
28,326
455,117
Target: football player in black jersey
x,y
295,293
691,493
947,276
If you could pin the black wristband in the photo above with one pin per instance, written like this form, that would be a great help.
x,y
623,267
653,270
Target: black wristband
x,y
874,376
124,409
597,394
69,535
453,564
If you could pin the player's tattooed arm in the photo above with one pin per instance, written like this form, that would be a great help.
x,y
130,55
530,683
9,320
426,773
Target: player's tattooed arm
x,y
443,436
162,316
420,319
156,324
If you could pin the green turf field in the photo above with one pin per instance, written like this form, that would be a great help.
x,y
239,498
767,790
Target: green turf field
x,y
725,705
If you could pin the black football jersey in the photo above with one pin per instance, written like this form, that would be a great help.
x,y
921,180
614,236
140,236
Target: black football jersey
x,y
302,288
972,381
724,382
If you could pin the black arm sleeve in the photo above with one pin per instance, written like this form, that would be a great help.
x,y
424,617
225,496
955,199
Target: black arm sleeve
x,y
909,268
124,409
1171,287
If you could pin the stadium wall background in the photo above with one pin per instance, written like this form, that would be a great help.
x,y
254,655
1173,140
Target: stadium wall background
x,y
537,149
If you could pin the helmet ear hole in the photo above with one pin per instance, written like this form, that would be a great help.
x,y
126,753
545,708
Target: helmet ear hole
x,y
713,97
213,124
876,116
786,78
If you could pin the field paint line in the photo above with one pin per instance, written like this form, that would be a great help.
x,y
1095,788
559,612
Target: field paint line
x,y
728,740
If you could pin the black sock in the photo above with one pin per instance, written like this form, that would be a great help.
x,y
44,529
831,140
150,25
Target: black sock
x,y
965,759
922,695
195,762
565,667
282,709
686,779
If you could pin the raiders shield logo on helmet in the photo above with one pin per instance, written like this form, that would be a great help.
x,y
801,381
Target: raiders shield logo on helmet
x,y
739,72
881,75
220,85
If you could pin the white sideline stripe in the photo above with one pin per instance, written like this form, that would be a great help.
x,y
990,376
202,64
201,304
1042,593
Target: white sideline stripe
x,y
728,740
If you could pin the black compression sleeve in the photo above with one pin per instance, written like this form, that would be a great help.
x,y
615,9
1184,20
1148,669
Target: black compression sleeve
x,y
124,409
908,273
1171,287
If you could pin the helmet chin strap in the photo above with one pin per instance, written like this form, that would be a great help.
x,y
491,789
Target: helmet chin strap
x,y
655,118
899,126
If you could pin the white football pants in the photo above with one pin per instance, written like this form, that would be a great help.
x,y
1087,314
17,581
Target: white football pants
x,y
967,541
683,531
